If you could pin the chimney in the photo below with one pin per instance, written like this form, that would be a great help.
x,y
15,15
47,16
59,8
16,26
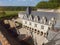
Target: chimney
x,y
28,10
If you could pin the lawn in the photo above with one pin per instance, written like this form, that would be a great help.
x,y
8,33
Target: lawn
x,y
9,14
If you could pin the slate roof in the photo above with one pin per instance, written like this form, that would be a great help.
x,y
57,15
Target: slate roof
x,y
49,15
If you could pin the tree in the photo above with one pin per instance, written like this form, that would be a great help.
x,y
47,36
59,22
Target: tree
x,y
56,2
51,4
42,4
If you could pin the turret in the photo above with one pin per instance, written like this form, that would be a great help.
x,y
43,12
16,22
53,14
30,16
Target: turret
x,y
28,11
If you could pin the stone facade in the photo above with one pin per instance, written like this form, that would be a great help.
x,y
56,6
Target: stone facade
x,y
38,28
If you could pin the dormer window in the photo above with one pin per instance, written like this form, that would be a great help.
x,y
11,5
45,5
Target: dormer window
x,y
52,21
43,20
25,16
36,18
30,17
35,30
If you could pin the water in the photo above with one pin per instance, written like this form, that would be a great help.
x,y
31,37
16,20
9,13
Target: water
x,y
0,43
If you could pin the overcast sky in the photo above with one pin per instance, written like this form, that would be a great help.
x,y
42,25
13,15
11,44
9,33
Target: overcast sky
x,y
18,2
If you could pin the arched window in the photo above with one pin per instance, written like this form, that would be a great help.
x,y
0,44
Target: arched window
x,y
35,30
41,33
38,32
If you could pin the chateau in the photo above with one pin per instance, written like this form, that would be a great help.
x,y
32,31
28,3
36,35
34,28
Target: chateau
x,y
37,26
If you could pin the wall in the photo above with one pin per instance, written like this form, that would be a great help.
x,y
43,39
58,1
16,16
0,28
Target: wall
x,y
38,25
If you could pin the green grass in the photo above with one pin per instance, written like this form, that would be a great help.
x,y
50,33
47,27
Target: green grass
x,y
9,14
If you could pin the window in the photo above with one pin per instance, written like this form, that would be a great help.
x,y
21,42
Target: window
x,y
42,27
44,34
32,29
35,30
25,22
43,44
35,25
38,32
30,23
27,28
41,33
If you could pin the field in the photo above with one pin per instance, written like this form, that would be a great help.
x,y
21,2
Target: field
x,y
11,12
8,13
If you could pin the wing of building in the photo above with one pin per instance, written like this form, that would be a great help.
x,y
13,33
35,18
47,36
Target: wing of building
x,y
39,24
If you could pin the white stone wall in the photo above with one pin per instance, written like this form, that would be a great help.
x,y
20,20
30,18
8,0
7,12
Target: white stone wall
x,y
38,25
38,39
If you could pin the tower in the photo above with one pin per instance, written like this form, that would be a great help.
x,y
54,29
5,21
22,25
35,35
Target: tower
x,y
28,10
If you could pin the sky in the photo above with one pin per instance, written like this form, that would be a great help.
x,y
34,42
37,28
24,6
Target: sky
x,y
18,2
